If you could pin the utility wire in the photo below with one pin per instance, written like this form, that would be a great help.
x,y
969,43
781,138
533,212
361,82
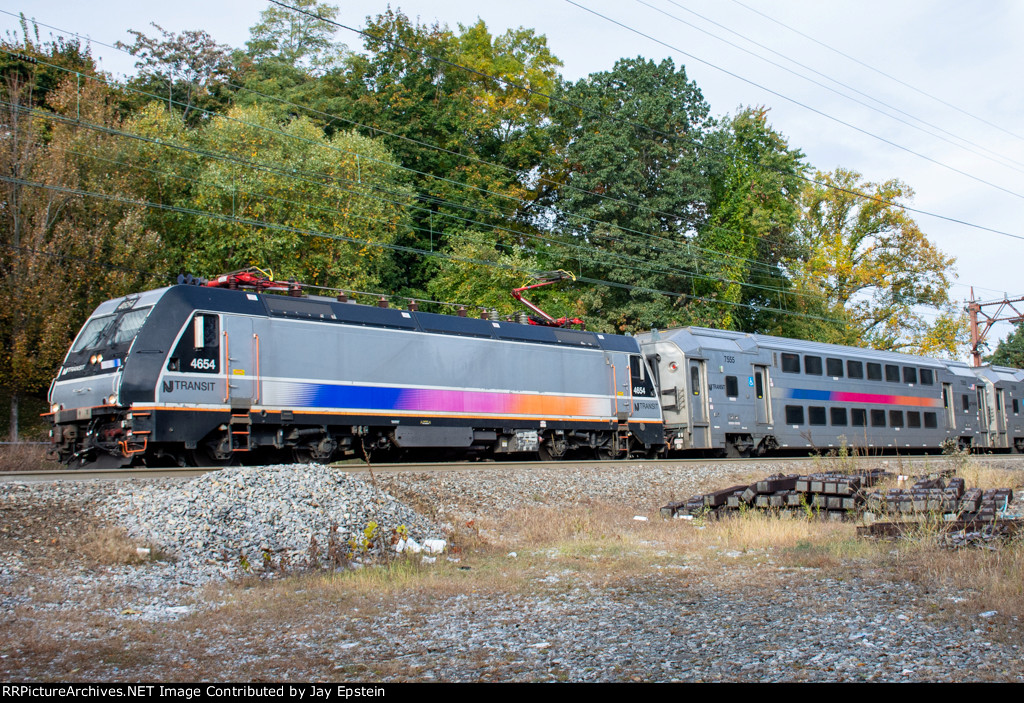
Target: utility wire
x,y
879,71
1000,159
755,263
685,273
394,247
666,135
632,262
794,101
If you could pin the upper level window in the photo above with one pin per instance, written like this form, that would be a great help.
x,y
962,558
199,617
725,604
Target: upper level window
x,y
812,365
791,363
892,373
874,372
855,369
834,367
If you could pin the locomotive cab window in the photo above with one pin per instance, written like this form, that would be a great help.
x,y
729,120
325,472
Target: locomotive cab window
x,y
198,350
640,379
812,365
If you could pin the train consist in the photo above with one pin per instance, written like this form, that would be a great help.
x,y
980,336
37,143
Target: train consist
x,y
749,393
212,375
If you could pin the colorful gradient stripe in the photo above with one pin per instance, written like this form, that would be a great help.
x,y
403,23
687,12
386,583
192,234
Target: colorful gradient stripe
x,y
866,398
314,395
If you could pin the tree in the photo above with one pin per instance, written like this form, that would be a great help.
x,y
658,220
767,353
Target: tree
x,y
322,210
632,191
302,39
188,67
445,124
867,259
478,273
1010,351
68,239
752,214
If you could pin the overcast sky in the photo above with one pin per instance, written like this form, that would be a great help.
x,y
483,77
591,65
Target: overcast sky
x,y
966,54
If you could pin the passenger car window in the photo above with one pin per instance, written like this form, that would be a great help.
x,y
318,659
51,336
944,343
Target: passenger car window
x,y
834,367
812,365
791,363
732,386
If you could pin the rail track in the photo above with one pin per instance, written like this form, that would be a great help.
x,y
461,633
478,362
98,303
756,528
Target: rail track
x,y
892,462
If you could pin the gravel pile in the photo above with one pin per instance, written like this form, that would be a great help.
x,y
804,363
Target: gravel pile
x,y
255,518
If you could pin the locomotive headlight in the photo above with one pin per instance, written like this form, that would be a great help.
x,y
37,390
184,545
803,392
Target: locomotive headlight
x,y
112,400
55,407
672,366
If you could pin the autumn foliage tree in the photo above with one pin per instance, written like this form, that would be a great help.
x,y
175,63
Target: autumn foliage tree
x,y
871,265
70,236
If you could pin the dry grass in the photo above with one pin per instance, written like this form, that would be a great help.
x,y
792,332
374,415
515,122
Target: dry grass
x,y
26,457
112,546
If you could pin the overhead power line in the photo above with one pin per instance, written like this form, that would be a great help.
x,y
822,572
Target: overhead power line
x,y
794,101
394,247
674,137
992,156
879,71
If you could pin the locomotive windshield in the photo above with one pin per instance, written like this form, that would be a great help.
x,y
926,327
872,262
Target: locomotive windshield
x,y
110,330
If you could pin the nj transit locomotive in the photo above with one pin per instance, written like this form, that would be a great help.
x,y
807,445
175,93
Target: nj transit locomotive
x,y
743,393
203,375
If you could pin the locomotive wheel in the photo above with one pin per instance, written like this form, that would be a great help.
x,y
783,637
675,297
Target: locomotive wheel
x,y
553,451
212,454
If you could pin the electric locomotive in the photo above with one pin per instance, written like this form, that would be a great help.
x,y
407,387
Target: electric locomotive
x,y
207,374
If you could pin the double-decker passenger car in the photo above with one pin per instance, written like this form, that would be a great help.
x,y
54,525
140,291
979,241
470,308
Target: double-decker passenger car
x,y
749,393
199,375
